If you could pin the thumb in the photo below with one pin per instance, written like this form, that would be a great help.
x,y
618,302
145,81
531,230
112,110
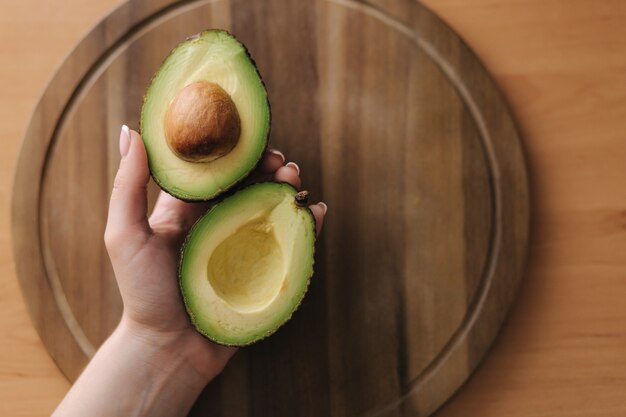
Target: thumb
x,y
129,202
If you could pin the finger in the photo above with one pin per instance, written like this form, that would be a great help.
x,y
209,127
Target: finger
x,y
272,160
175,214
163,203
289,173
319,211
165,210
129,202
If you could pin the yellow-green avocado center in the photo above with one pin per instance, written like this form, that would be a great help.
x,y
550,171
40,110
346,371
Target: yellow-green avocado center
x,y
247,269
246,263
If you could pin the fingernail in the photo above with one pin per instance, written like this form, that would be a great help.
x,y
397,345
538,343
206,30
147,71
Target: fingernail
x,y
124,141
324,206
295,166
279,153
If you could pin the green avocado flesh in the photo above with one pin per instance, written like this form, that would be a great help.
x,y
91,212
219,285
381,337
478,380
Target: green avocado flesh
x,y
217,57
245,265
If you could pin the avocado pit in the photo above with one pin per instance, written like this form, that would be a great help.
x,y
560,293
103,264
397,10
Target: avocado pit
x,y
202,123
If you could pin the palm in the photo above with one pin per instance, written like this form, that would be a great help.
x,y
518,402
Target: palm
x,y
151,297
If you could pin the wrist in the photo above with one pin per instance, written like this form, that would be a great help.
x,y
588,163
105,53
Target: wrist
x,y
182,353
146,372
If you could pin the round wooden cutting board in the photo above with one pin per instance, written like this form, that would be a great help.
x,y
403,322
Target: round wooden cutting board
x,y
395,124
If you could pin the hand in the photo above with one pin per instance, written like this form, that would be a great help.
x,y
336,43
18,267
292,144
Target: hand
x,y
155,363
144,253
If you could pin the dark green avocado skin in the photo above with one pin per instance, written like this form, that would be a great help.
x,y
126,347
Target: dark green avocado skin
x,y
191,314
236,184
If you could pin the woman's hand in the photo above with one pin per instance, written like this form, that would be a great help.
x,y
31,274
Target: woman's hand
x,y
155,363
145,251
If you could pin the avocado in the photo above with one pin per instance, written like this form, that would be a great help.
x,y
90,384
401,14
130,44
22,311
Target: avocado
x,y
246,264
205,119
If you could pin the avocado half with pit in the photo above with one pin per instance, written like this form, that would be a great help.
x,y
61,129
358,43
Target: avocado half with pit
x,y
246,264
205,119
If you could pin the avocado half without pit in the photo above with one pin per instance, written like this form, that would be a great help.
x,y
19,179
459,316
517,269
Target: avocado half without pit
x,y
246,264
205,120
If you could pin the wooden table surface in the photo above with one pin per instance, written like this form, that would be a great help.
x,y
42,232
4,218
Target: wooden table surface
x,y
562,66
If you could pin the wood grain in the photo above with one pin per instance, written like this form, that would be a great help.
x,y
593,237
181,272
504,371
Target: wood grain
x,y
561,65
427,243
